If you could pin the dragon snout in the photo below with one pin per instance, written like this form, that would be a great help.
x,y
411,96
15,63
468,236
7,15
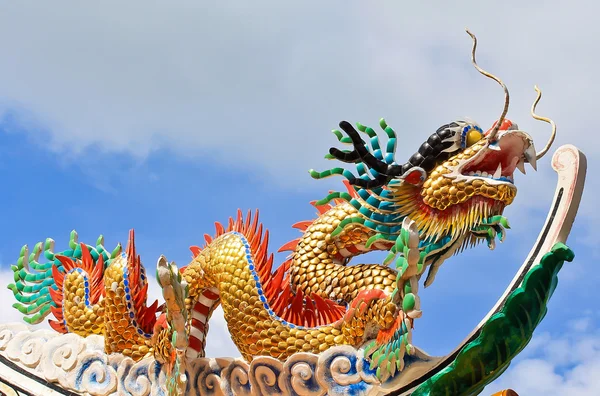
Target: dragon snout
x,y
516,147
506,125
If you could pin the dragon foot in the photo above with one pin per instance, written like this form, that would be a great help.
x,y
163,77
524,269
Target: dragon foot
x,y
387,351
490,228
171,338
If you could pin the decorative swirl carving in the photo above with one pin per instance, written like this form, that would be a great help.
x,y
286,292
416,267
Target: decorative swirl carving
x,y
265,376
7,333
94,375
138,381
122,365
339,369
79,364
206,376
26,347
236,380
60,356
299,373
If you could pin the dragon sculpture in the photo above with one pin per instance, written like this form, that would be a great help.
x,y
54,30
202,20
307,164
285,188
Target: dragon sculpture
x,y
449,195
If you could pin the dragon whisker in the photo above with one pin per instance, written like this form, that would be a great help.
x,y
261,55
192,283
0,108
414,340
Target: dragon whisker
x,y
494,131
541,153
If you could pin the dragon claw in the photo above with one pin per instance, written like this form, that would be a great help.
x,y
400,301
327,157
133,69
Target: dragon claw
x,y
387,352
491,228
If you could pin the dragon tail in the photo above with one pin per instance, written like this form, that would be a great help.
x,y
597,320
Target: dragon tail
x,y
77,307
34,281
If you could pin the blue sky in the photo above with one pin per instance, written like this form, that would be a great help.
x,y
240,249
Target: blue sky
x,y
166,119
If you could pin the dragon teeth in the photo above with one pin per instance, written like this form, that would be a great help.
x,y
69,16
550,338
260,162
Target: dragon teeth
x,y
531,156
498,172
521,165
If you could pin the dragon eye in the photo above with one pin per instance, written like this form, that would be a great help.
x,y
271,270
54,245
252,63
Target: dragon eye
x,y
473,136
470,135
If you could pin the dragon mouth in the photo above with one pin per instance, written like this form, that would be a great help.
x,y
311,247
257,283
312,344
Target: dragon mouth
x,y
495,163
484,169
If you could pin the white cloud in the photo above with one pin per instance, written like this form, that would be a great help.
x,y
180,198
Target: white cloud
x,y
581,324
260,87
557,364
144,77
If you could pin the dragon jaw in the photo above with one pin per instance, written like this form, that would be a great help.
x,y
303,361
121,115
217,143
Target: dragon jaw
x,y
469,188
494,162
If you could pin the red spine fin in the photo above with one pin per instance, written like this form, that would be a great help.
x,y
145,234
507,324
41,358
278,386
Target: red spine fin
x,y
289,246
302,225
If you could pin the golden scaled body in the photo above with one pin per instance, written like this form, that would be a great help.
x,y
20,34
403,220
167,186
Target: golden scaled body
x,y
316,264
110,316
81,318
120,334
255,330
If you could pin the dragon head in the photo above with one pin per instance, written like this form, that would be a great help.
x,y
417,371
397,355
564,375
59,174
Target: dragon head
x,y
461,178
450,194
467,176
455,187
481,169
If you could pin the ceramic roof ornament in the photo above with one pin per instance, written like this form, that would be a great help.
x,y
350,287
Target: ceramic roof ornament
x,y
313,325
